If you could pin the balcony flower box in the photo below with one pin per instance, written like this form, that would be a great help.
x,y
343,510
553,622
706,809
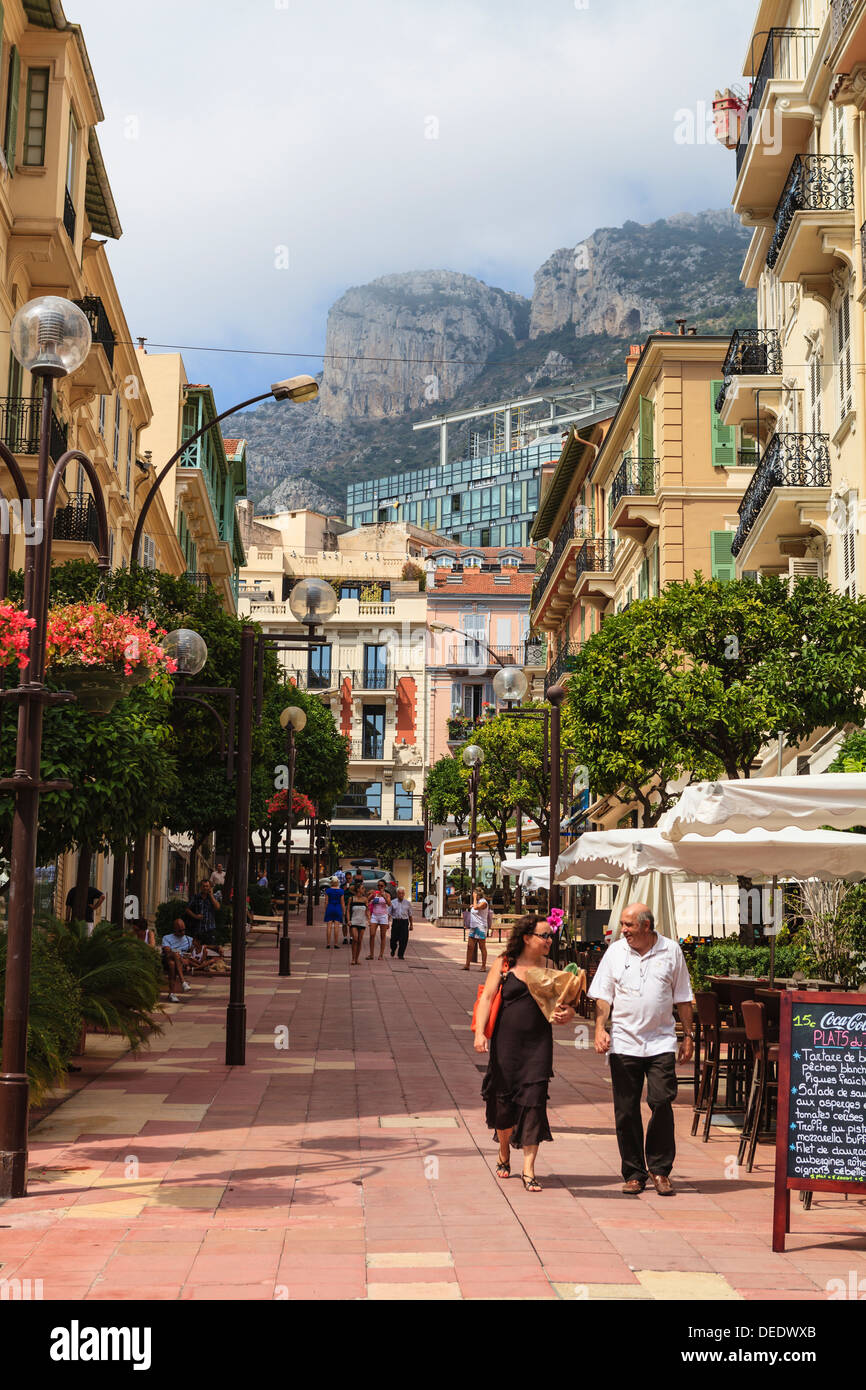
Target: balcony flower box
x,y
15,629
460,726
100,655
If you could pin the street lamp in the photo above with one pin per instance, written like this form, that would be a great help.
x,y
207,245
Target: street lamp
x,y
50,337
187,649
295,388
293,720
510,686
473,757
313,602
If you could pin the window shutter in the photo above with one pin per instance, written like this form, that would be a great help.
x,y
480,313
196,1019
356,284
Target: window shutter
x,y
723,436
646,444
842,322
643,582
849,549
11,133
816,414
723,565
456,696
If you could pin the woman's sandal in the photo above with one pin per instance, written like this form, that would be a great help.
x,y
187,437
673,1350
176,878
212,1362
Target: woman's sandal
x,y
531,1184
503,1170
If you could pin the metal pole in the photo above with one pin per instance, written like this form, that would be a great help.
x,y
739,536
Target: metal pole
x,y
518,892
285,943
473,831
310,874
236,1014
555,697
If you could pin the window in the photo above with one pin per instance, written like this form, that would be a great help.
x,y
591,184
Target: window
x,y
723,436
350,591
36,115
645,437
129,449
111,550
10,124
319,668
71,153
374,731
723,565
402,802
849,548
148,553
474,626
375,666
815,385
116,431
842,356
837,119
102,416
362,801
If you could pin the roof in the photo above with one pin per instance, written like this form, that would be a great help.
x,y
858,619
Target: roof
x,y
231,445
490,552
98,198
477,581
570,459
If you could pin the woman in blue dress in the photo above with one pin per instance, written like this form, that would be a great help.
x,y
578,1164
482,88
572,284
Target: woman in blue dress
x,y
333,911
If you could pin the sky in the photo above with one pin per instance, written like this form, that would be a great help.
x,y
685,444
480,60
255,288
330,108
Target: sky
x,y
266,155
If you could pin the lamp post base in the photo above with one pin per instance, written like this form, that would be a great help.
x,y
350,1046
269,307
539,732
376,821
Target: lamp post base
x,y
14,1094
285,955
236,1035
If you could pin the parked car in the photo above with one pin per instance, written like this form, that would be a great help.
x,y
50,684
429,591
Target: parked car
x,y
372,876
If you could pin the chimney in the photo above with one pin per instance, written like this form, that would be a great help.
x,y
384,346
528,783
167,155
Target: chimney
x,y
693,332
632,358
681,327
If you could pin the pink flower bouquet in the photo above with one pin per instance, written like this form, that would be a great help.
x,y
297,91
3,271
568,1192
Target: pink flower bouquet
x,y
90,635
14,636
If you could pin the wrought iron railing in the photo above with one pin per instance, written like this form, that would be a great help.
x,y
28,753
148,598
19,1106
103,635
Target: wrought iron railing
x,y
816,183
77,521
566,661
372,678
840,13
100,328
787,54
566,534
595,557
747,458
20,422
370,749
69,215
635,478
198,578
751,352
790,460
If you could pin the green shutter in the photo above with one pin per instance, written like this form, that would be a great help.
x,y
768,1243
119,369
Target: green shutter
x,y
724,568
11,133
643,582
1,21
724,436
748,446
647,445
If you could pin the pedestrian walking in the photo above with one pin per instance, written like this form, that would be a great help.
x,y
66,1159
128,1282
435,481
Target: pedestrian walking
x,y
333,911
401,923
515,1087
95,899
479,922
359,918
379,905
643,976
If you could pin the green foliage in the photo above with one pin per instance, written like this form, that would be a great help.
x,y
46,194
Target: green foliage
x,y
447,789
383,847
513,773
732,957
694,682
261,901
166,915
852,755
118,976
54,1026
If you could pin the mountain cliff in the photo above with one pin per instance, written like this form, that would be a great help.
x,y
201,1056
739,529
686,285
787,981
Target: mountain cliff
x,y
404,346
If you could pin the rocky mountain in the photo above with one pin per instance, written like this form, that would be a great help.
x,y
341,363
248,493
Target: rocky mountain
x,y
401,347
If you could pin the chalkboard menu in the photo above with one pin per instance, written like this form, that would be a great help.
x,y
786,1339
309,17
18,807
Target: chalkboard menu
x,y
821,1127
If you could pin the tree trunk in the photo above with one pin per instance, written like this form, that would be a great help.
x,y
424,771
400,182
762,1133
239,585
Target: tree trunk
x,y
118,884
228,886
137,872
197,840
82,883
273,848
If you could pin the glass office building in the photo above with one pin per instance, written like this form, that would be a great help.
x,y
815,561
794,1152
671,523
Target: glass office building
x,y
488,501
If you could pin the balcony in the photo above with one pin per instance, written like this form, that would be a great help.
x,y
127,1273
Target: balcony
x,y
566,661
198,579
69,218
96,370
594,582
370,678
792,477
368,750
461,727
637,478
554,587
753,363
814,219
475,655
778,121
20,419
77,521
847,35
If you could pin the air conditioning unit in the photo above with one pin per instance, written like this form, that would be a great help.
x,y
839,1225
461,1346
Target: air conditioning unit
x,y
802,569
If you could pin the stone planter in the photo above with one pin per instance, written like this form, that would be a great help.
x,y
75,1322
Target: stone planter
x,y
98,688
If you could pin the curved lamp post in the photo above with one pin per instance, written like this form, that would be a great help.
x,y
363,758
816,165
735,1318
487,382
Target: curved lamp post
x,y
295,388
510,686
50,337
293,720
473,757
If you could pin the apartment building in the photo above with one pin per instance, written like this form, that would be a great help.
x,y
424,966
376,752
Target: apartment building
x,y
798,378
478,619
647,497
371,669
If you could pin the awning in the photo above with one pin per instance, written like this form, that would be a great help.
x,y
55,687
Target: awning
x,y
773,803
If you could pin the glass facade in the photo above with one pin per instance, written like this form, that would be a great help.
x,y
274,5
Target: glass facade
x,y
489,501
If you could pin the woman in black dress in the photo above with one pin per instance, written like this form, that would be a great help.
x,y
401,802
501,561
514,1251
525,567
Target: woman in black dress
x,y
521,1050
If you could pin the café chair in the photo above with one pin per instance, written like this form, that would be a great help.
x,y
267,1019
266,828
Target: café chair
x,y
713,1065
764,1056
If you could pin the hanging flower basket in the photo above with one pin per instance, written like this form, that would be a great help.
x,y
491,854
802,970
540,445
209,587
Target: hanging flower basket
x,y
102,656
301,805
15,629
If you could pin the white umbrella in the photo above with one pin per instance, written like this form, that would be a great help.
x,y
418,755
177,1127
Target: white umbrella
x,y
530,863
759,853
774,803
657,891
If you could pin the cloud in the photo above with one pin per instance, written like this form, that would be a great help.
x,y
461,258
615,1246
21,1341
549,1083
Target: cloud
x,y
266,156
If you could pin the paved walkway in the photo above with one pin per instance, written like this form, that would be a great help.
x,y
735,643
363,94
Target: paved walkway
x,y
350,1159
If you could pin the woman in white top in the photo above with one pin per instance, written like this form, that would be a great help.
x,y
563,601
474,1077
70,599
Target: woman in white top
x,y
379,904
479,921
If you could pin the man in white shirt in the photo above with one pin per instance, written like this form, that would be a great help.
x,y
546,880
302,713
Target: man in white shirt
x,y
401,923
644,977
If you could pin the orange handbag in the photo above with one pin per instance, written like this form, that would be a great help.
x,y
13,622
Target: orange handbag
x,y
494,1007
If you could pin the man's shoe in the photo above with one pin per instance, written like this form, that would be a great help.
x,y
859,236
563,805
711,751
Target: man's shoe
x,y
634,1187
185,987
173,999
662,1184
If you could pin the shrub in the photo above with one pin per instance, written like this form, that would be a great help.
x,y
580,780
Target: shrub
x,y
118,976
167,914
731,957
261,901
55,1016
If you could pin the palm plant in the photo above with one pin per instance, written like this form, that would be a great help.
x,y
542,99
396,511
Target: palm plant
x,y
118,976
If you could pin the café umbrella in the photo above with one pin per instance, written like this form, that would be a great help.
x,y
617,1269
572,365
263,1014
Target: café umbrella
x,y
835,799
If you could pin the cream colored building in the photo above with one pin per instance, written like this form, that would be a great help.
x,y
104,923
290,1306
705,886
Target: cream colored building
x,y
801,375
372,668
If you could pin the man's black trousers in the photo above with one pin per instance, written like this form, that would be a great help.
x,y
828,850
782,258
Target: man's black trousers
x,y
658,1151
399,937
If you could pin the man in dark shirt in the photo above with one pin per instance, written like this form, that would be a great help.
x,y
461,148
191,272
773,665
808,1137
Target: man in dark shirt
x,y
95,899
201,913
